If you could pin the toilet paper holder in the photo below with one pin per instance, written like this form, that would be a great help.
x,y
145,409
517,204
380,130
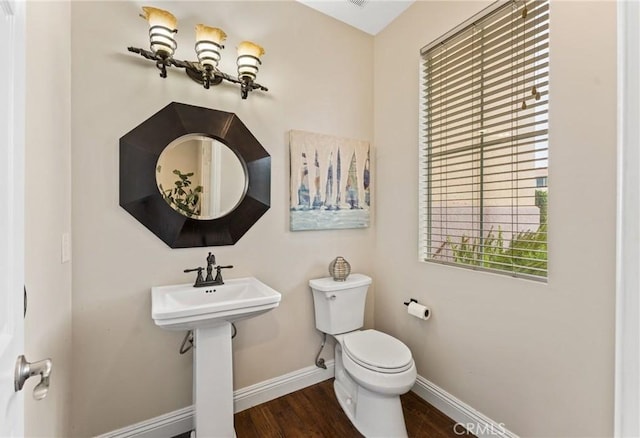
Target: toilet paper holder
x,y
418,310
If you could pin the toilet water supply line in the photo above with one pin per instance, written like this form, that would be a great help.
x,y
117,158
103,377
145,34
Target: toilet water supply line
x,y
319,360
188,338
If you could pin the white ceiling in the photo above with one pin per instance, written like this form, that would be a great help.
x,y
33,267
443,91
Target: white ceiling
x,y
372,17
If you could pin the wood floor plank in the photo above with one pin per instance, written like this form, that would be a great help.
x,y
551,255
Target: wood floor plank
x,y
314,412
243,424
265,421
321,399
423,420
294,425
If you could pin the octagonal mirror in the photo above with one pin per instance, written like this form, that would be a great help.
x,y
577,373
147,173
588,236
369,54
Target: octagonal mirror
x,y
194,176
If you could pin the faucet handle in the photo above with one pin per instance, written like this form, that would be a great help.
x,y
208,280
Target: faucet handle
x,y
199,279
218,279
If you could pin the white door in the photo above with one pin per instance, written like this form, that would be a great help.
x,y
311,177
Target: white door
x,y
627,402
12,18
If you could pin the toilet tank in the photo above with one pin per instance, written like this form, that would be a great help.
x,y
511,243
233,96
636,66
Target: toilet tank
x,y
339,305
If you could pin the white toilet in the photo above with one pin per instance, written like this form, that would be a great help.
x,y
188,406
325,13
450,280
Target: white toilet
x,y
372,368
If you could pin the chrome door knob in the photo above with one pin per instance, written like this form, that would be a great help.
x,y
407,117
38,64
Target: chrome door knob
x,y
24,370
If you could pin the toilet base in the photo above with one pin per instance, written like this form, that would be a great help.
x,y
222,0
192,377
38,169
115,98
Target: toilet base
x,y
372,414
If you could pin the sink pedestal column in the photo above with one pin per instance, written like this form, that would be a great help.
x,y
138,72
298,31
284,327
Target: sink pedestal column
x,y
213,382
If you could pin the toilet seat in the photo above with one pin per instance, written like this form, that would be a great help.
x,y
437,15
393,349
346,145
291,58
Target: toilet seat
x,y
377,351
386,382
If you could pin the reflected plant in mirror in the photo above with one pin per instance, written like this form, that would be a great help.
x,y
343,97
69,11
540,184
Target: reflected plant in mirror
x,y
182,197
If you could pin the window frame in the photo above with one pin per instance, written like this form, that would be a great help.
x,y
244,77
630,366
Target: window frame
x,y
425,191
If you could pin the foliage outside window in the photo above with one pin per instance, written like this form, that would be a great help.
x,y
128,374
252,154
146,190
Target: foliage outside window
x,y
484,150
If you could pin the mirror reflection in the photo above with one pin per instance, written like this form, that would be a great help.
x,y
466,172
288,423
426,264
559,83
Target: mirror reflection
x,y
200,177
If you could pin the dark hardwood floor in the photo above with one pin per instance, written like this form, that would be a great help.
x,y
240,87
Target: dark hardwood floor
x,y
315,412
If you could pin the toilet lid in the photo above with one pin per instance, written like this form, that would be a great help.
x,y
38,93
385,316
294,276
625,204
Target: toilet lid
x,y
376,350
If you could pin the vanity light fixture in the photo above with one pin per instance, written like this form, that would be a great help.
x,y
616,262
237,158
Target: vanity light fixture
x,y
208,47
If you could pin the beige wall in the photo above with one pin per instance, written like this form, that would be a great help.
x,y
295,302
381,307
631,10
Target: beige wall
x,y
537,357
48,213
320,79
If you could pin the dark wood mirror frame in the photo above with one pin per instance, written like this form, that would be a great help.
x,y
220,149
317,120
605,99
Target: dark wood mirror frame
x,y
139,195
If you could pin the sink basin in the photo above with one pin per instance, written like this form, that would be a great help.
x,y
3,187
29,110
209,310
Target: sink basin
x,y
184,307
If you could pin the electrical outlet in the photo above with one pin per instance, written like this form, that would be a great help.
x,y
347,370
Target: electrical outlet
x,y
66,247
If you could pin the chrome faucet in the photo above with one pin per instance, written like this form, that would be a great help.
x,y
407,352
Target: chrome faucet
x,y
209,280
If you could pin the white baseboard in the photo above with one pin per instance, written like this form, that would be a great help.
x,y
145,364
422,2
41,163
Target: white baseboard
x,y
167,425
181,421
271,389
464,415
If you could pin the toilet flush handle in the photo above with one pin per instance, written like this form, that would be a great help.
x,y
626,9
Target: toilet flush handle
x,y
330,297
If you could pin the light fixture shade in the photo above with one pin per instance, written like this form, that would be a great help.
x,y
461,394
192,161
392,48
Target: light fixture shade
x,y
162,27
208,45
249,60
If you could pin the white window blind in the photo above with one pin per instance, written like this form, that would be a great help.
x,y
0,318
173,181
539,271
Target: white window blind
x,y
484,145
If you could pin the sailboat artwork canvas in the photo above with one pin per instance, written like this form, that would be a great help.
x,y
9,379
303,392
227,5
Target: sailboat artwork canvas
x,y
330,182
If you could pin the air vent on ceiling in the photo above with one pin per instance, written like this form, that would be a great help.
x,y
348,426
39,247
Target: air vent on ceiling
x,y
359,3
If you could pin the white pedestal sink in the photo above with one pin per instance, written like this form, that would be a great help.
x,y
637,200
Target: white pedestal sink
x,y
209,312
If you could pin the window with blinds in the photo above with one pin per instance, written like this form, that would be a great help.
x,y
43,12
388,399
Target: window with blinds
x,y
484,145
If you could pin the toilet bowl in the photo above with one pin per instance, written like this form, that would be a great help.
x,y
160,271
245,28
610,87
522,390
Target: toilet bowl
x,y
372,369
377,361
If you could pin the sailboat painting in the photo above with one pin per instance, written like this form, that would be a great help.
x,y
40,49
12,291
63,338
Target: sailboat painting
x,y
330,182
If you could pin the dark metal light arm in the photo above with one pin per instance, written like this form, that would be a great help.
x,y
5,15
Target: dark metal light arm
x,y
199,74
